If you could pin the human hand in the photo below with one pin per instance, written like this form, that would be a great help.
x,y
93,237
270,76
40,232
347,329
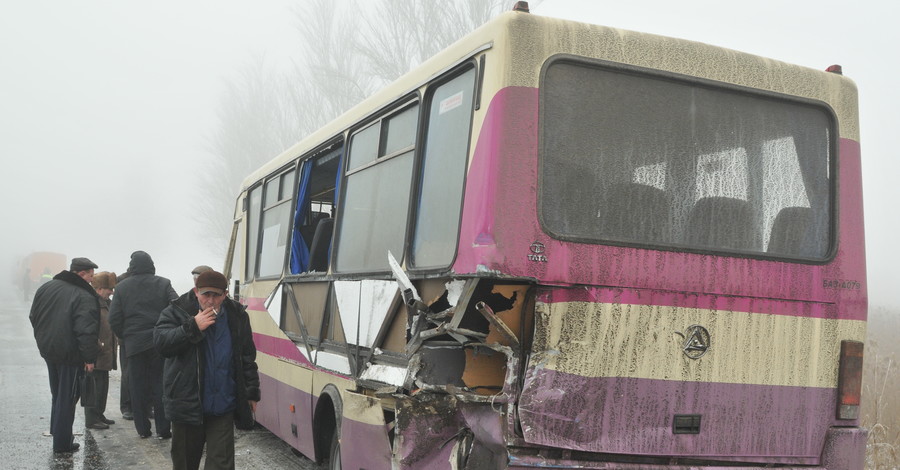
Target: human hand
x,y
205,318
88,367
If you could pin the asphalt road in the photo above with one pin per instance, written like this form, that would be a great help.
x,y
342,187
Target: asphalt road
x,y
25,417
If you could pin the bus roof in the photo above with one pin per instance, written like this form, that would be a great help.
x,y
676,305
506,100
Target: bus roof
x,y
534,38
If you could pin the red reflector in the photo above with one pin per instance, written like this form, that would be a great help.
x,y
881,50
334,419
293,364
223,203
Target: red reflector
x,y
850,379
835,69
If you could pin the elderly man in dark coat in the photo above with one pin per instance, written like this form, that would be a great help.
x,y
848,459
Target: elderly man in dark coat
x,y
65,315
94,416
133,314
211,377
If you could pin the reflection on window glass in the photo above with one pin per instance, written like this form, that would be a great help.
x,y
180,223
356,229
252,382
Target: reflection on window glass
x,y
276,225
633,158
253,208
364,147
376,202
723,174
400,131
374,215
443,172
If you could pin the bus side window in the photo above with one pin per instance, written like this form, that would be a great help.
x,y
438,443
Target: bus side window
x,y
314,205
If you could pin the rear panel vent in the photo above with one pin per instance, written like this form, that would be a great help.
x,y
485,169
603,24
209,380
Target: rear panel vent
x,y
686,424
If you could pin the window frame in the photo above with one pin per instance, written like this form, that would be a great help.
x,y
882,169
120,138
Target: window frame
x,y
427,104
395,109
261,186
833,164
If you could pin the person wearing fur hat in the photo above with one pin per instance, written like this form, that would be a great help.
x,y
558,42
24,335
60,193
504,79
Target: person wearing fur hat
x,y
94,416
65,316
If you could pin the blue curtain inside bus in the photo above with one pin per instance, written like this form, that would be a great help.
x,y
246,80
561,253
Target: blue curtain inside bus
x,y
299,248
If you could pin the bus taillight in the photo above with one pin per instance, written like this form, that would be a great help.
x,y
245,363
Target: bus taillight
x,y
850,379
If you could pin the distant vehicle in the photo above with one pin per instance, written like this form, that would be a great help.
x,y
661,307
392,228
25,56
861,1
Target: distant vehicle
x,y
612,249
37,268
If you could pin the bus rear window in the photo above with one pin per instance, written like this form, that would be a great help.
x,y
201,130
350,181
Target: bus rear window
x,y
633,158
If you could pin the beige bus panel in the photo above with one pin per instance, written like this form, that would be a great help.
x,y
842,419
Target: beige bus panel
x,y
311,299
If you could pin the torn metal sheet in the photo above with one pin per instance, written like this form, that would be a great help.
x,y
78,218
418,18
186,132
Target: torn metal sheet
x,y
497,323
454,291
437,431
402,279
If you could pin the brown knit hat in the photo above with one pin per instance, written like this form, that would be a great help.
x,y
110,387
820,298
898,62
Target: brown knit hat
x,y
211,281
104,280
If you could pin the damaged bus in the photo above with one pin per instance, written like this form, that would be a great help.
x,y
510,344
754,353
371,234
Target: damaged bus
x,y
564,245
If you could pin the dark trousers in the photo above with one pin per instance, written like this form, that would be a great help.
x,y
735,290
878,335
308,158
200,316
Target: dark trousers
x,y
124,391
65,393
95,414
145,380
217,432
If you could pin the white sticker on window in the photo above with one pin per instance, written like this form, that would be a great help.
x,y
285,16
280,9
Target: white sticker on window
x,y
453,101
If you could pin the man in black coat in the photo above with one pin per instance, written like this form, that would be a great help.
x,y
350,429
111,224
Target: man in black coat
x,y
133,314
210,378
65,315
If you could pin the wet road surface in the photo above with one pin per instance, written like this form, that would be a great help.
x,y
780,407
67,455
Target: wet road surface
x,y
25,417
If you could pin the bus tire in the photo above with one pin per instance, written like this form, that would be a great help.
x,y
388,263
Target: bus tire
x,y
334,454
328,415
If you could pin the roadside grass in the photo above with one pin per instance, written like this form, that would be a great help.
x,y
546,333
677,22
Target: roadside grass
x,y
881,390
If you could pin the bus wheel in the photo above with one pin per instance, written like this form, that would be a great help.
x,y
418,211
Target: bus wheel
x,y
334,455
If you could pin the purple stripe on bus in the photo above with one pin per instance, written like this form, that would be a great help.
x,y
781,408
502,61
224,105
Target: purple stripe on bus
x,y
279,347
500,226
364,446
273,411
636,416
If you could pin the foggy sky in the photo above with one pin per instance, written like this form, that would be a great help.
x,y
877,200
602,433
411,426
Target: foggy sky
x,y
106,108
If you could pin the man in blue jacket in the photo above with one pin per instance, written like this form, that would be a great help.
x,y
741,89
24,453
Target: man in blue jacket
x,y
210,377
65,315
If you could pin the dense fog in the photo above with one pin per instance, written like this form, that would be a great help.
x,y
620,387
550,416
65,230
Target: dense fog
x,y
107,109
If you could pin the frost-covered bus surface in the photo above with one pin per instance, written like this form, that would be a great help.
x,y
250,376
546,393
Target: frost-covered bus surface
x,y
564,245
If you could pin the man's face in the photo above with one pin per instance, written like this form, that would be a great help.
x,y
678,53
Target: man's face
x,y
210,299
104,293
86,275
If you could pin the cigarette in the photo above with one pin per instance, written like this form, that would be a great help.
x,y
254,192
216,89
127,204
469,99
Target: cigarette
x,y
215,312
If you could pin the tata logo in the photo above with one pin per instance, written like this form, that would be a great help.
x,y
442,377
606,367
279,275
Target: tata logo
x,y
537,252
696,341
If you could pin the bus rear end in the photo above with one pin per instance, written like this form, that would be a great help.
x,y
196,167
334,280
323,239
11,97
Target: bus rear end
x,y
691,221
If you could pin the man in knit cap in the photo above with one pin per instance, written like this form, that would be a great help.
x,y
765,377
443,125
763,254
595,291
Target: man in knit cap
x,y
211,379
94,416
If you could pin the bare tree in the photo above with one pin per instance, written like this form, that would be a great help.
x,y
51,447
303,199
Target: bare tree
x,y
350,49
257,121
